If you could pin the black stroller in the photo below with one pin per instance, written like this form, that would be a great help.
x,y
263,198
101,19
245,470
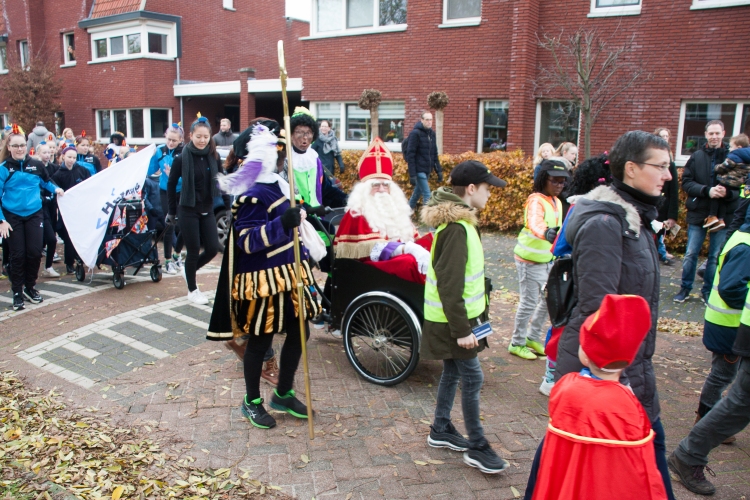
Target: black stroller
x,y
127,243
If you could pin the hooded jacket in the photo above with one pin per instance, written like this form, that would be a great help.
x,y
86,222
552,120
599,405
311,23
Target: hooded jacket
x,y
440,340
421,152
162,159
613,253
698,178
21,183
37,135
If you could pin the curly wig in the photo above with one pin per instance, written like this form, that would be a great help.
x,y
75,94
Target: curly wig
x,y
304,120
590,173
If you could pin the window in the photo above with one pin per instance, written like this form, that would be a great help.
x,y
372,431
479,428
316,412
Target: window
x,y
134,44
604,8
140,126
151,39
713,4
557,122
332,16
69,49
23,52
157,43
462,11
356,122
695,115
4,121
116,46
229,4
101,48
3,58
493,126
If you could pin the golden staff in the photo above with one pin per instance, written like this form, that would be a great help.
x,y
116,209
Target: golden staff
x,y
293,203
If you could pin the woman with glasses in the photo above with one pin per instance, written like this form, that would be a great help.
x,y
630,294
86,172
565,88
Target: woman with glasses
x,y
542,218
21,216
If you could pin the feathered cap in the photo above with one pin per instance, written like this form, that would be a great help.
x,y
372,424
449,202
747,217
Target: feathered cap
x,y
259,165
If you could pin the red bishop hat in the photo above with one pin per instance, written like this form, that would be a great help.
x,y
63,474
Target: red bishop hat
x,y
615,332
376,163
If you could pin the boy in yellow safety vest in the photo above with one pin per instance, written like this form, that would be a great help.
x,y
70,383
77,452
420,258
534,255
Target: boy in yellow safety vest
x,y
454,308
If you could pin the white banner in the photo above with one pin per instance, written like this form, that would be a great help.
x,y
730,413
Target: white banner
x,y
87,207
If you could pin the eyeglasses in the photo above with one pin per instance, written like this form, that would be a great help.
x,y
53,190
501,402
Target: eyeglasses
x,y
557,180
306,135
17,146
662,168
379,184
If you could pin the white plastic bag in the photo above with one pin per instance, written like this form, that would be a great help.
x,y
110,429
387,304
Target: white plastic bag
x,y
312,241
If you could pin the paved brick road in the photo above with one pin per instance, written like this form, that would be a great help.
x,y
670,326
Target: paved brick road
x,y
140,353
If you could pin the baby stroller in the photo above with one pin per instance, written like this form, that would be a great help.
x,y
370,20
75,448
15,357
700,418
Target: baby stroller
x,y
127,243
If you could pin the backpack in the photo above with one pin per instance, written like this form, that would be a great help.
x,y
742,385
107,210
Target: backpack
x,y
559,292
404,145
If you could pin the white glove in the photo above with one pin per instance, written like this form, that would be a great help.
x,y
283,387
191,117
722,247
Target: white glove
x,y
419,253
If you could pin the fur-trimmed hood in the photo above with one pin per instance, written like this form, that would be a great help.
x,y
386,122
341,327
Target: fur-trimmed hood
x,y
445,207
603,200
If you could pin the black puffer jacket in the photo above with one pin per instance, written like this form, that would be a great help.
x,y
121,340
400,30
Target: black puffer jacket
x,y
421,152
613,253
698,179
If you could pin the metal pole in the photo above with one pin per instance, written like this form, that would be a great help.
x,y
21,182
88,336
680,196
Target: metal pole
x,y
297,259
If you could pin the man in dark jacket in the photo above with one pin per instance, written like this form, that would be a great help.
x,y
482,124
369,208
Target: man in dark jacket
x,y
698,182
225,136
422,157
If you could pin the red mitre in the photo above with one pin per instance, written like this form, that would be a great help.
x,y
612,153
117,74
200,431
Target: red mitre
x,y
376,163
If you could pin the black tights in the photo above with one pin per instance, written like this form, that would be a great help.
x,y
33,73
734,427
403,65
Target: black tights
x,y
291,352
196,228
50,238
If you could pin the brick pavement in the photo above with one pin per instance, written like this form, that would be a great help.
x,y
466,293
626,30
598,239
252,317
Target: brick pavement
x,y
153,366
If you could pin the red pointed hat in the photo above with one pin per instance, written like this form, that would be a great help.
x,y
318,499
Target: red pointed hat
x,y
616,331
376,163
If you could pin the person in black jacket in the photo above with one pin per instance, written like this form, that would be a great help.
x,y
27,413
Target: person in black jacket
x,y
70,174
614,253
328,149
670,205
422,157
49,209
697,181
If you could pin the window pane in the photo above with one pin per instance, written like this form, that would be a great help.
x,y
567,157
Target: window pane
x,y
357,123
559,123
159,122
115,45
3,58
101,48
136,123
392,12
70,47
495,126
616,3
696,117
121,123
24,50
458,9
391,121
157,44
359,13
105,128
330,15
134,44
745,123
331,111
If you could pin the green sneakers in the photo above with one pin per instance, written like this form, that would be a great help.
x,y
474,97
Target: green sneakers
x,y
258,416
521,351
536,347
289,404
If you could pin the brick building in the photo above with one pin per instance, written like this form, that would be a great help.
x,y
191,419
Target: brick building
x,y
138,65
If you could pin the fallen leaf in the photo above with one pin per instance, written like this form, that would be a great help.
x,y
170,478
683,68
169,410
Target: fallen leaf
x,y
117,493
305,459
419,462
515,492
436,462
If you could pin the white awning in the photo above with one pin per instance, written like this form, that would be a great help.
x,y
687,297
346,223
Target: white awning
x,y
233,87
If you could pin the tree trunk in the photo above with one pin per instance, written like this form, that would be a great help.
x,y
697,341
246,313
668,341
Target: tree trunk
x,y
374,126
587,142
439,130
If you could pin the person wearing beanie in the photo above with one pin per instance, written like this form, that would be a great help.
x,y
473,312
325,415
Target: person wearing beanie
x,y
596,423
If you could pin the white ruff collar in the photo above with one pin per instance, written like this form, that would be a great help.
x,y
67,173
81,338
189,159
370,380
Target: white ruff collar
x,y
305,161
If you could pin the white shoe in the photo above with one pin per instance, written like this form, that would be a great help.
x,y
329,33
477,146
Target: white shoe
x,y
49,273
59,240
56,258
170,268
179,263
197,297
336,333
546,387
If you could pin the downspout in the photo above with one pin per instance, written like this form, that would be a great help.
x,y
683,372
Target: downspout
x,y
178,83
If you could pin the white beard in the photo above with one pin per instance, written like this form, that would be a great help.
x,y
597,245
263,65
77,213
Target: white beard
x,y
387,213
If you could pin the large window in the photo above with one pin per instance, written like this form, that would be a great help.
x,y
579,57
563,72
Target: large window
x,y
603,8
461,11
150,38
140,126
335,16
69,49
557,122
3,58
493,126
23,52
356,122
695,115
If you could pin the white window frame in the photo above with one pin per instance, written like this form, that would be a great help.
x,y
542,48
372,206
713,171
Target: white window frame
x,y
360,145
4,63
344,31
4,120
716,4
142,27
455,23
680,159
139,141
66,55
480,128
538,122
228,5
21,52
615,10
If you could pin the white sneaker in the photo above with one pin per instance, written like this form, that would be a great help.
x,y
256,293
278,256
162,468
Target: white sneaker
x,y
60,241
197,297
178,263
56,258
336,333
49,273
546,387
170,268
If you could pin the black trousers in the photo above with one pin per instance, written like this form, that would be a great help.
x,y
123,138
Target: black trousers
x,y
70,251
169,233
291,352
196,228
50,239
25,247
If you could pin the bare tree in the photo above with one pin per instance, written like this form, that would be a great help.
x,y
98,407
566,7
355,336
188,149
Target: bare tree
x,y
32,92
591,68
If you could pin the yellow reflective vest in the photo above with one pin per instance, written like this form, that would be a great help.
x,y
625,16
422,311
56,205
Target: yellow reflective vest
x,y
717,311
529,246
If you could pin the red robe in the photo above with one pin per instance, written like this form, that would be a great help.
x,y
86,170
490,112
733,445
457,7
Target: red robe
x,y
355,240
575,468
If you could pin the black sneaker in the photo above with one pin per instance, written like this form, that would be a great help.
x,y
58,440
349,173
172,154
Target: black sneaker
x,y
256,414
70,269
17,301
666,261
451,438
692,477
682,296
32,295
704,297
485,459
289,404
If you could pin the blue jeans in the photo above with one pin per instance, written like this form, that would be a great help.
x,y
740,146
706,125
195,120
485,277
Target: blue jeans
x,y
661,248
469,371
422,189
696,236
